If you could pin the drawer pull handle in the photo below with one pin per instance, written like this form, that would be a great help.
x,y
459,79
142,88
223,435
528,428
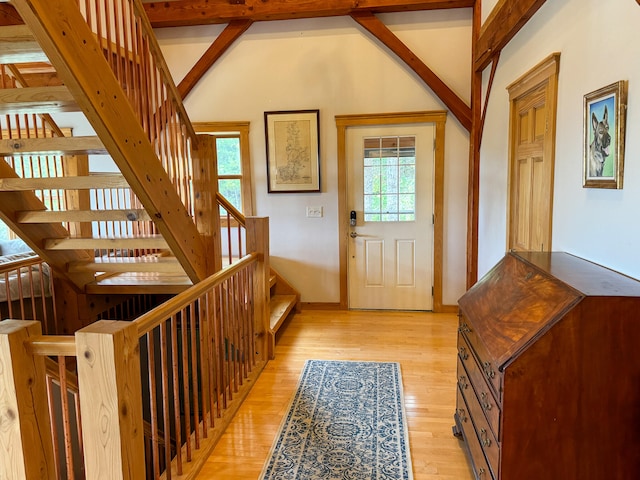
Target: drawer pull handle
x,y
462,381
488,371
464,328
462,415
484,438
486,404
463,353
481,473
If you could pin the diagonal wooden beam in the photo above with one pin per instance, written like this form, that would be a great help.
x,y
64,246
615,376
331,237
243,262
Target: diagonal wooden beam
x,y
201,12
220,45
455,104
506,19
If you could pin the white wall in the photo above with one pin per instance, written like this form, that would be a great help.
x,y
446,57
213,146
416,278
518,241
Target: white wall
x,y
334,65
599,45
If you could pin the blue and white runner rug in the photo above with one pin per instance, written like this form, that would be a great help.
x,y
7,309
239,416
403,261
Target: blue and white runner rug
x,y
347,422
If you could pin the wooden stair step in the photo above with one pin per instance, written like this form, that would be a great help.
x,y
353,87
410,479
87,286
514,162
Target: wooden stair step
x,y
18,45
273,278
37,100
91,243
146,263
63,183
51,216
280,306
140,282
90,145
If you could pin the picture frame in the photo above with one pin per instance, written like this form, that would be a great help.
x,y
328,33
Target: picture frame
x,y
293,151
604,135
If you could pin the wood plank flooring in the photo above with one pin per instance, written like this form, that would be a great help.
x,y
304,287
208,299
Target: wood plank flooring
x,y
423,343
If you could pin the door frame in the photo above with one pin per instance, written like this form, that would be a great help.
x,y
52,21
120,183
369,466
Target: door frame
x,y
438,118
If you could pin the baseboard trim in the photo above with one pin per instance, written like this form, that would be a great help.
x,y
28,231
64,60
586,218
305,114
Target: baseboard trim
x,y
448,309
320,306
337,306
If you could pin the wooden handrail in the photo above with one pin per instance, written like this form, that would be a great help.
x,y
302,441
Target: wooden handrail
x,y
14,265
233,211
155,317
52,345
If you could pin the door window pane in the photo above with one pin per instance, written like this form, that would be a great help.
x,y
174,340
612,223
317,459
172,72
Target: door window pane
x,y
389,179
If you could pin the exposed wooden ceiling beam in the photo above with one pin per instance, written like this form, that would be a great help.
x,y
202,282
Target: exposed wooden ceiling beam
x,y
457,106
213,53
505,20
203,12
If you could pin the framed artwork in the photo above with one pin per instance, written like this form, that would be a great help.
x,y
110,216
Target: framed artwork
x,y
604,132
293,151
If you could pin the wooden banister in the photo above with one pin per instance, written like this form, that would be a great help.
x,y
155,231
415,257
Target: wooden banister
x,y
152,319
233,211
161,64
52,345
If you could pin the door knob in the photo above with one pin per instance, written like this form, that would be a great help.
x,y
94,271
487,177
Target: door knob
x,y
353,234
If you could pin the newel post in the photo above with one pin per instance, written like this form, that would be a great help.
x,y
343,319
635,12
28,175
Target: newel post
x,y
26,448
258,241
111,400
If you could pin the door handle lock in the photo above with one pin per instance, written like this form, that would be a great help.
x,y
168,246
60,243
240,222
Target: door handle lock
x,y
353,234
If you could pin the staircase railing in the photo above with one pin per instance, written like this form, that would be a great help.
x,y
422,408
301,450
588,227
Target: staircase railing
x,y
233,229
199,354
132,51
26,290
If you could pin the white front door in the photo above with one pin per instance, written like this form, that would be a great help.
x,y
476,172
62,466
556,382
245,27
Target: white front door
x,y
390,190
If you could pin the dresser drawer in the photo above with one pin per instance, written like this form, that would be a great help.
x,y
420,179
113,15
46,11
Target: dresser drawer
x,y
479,384
485,434
487,366
463,419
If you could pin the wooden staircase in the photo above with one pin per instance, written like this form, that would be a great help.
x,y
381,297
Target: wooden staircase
x,y
152,244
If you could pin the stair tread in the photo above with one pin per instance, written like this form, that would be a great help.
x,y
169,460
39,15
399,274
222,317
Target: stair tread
x,y
37,100
61,183
140,282
280,306
18,45
51,216
139,242
52,146
146,263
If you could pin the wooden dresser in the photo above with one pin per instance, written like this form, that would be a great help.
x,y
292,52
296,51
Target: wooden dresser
x,y
549,371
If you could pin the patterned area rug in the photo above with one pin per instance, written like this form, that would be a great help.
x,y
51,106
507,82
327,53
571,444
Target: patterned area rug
x,y
346,422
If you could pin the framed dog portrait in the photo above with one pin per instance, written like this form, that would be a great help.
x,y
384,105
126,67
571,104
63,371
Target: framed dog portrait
x,y
293,151
604,132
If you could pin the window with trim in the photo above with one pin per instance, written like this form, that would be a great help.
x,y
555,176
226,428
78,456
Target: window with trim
x,y
234,166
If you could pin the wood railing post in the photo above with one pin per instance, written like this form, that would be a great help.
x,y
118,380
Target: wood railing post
x,y
207,212
258,241
26,448
111,400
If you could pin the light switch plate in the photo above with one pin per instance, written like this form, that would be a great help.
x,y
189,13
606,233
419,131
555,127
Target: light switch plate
x,y
314,212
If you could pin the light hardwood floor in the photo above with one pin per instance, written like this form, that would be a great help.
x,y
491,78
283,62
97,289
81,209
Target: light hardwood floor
x,y
423,343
